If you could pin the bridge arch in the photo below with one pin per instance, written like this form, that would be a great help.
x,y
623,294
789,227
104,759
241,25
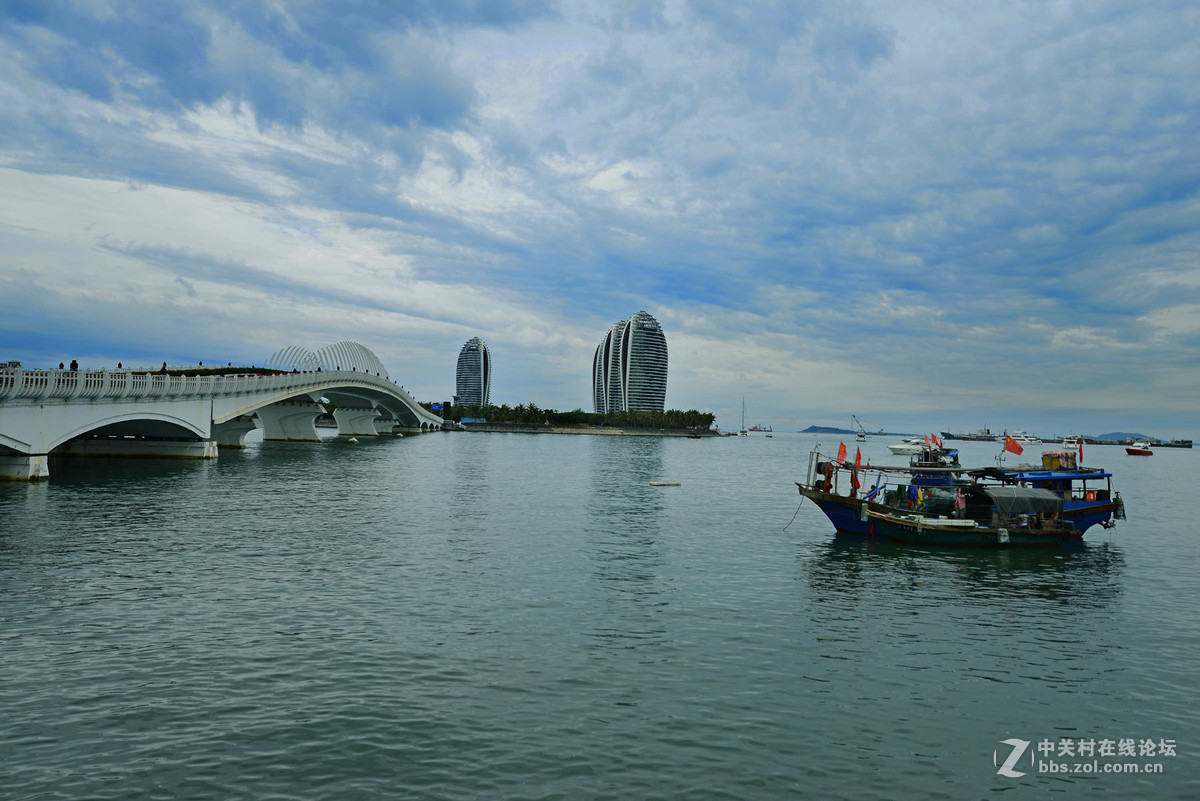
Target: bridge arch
x,y
134,424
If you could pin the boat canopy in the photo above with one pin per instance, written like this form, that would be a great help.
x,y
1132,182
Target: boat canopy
x,y
1013,501
1011,474
1061,475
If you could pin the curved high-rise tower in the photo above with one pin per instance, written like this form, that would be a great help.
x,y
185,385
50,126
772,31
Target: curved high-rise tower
x,y
606,371
629,369
473,378
643,364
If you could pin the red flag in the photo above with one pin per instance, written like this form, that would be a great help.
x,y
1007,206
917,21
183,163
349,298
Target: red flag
x,y
1012,445
935,440
857,458
1081,450
926,440
841,457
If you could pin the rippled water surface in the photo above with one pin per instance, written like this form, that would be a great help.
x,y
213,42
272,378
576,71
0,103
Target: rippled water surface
x,y
504,616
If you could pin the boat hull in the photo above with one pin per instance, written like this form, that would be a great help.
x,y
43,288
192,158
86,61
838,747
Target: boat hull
x,y
943,532
1085,514
1139,451
845,513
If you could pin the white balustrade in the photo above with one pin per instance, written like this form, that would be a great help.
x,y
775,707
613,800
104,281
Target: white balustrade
x,y
17,384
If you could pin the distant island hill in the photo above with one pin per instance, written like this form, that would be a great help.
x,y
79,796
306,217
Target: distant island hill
x,y
1111,438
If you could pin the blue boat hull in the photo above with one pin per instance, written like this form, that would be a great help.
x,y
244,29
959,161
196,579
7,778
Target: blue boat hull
x,y
845,513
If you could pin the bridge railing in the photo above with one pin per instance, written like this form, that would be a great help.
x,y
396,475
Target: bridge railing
x,y
31,385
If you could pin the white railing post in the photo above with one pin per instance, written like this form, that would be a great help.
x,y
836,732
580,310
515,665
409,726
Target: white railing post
x,y
10,383
47,384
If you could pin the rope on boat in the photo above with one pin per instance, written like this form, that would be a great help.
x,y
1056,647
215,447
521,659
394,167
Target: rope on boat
x,y
793,520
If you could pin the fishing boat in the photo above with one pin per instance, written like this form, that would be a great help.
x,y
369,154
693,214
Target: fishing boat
x,y
928,487
760,427
1139,449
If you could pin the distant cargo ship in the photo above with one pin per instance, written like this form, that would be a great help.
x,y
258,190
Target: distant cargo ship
x,y
982,435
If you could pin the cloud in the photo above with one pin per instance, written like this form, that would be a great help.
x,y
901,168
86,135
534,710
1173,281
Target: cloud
x,y
825,204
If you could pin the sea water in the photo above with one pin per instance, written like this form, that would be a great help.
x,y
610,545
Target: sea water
x,y
515,616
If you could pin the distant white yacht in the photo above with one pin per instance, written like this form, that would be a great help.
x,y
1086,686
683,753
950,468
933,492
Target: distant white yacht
x,y
1023,437
908,447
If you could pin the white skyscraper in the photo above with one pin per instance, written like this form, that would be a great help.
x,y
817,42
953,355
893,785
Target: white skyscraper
x,y
474,375
629,368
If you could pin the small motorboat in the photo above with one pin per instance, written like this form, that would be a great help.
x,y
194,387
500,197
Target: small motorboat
x,y
908,447
1139,449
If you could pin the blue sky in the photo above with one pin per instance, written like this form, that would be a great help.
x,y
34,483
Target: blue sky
x,y
931,215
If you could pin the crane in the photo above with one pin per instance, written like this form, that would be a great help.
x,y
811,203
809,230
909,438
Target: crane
x,y
861,436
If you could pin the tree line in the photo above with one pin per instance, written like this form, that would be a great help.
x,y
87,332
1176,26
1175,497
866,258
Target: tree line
x,y
531,414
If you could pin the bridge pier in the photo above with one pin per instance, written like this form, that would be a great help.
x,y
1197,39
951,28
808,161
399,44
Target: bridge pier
x,y
19,467
356,422
290,421
232,434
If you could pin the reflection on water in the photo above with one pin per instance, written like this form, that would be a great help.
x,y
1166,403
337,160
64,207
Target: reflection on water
x,y
622,536
1003,615
468,495
1083,575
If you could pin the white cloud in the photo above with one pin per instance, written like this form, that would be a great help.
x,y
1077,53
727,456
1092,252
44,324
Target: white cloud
x,y
870,204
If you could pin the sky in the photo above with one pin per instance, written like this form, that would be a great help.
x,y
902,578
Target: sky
x,y
931,215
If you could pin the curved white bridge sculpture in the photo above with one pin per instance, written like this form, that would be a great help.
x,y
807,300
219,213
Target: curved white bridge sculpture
x,y
126,413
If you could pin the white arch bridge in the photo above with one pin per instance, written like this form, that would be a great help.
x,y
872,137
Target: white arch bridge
x,y
134,413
